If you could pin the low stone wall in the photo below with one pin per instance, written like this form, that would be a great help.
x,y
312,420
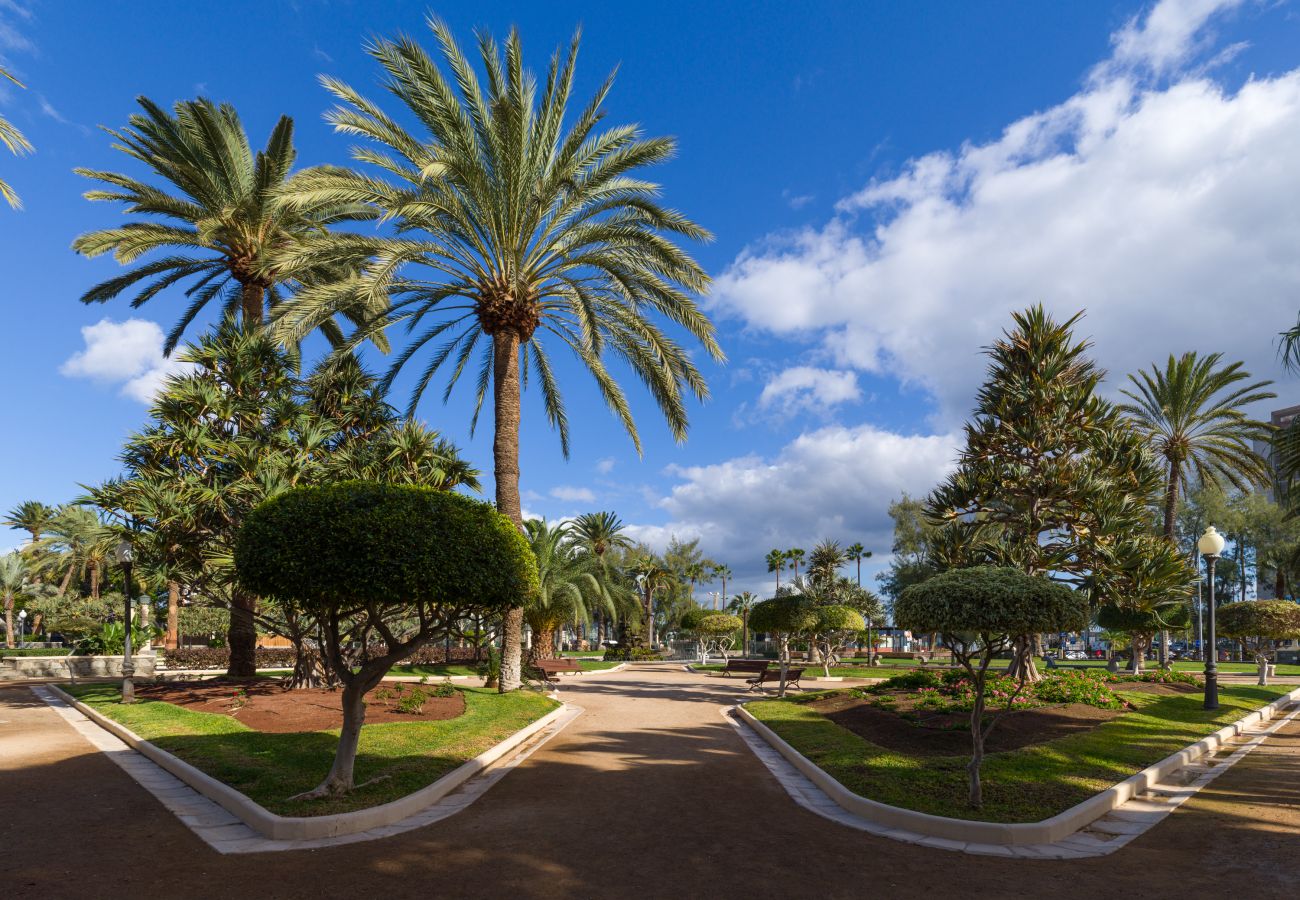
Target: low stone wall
x,y
16,668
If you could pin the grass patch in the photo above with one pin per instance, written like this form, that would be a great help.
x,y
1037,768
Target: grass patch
x,y
1183,665
270,768
443,670
1024,785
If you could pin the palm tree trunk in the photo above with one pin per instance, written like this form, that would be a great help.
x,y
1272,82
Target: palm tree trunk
x,y
173,640
543,644
94,582
251,297
9,620
505,458
1171,513
241,637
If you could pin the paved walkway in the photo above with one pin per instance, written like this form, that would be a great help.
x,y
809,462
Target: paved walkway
x,y
650,794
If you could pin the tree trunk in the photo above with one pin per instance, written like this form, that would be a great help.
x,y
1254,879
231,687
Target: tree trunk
x,y
251,297
173,639
543,644
505,458
308,667
340,778
1138,652
785,664
9,621
1022,659
94,582
976,796
1262,660
241,637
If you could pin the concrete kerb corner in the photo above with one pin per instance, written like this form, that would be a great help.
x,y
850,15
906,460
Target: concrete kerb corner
x,y
287,828
1047,831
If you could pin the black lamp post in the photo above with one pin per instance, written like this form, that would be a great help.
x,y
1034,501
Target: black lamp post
x,y
1211,545
124,558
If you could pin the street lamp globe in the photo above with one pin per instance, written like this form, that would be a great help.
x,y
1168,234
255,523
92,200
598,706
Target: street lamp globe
x,y
123,552
1211,543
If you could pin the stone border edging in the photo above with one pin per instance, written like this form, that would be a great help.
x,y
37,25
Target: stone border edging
x,y
1047,831
270,825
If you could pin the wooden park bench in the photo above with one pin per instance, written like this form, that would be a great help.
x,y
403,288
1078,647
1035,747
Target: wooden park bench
x,y
774,676
549,669
749,666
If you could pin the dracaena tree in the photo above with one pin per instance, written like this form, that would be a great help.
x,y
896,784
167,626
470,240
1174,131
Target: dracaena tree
x,y
204,217
520,228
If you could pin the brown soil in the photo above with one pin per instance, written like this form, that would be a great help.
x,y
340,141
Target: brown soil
x,y
948,734
266,706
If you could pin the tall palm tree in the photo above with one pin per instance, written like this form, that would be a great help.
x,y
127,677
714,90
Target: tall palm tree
x,y
76,544
15,143
795,555
1193,414
570,587
856,553
723,573
31,516
519,228
743,603
697,573
598,533
775,563
14,576
209,221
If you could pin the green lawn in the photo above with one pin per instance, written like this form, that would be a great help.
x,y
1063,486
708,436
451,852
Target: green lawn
x,y
442,670
881,671
1024,785
270,768
1248,668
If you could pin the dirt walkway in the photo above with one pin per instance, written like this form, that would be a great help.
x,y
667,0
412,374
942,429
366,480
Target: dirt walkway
x,y
649,794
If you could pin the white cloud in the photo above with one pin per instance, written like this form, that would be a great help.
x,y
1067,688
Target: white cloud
x,y
1167,211
605,465
805,387
129,353
834,482
571,494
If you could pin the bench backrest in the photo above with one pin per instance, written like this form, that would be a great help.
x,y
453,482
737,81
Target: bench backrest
x,y
558,665
775,674
747,665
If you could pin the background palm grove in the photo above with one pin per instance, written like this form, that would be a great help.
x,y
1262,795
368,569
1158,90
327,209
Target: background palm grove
x,y
496,232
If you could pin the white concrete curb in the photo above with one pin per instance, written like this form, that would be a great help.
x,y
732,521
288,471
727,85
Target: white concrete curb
x,y
286,828
1048,831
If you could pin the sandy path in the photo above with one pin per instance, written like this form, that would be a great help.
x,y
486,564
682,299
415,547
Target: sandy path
x,y
648,794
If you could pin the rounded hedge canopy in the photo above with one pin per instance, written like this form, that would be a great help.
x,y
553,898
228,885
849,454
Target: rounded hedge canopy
x,y
838,618
718,624
989,600
1269,619
343,545
788,614
1122,618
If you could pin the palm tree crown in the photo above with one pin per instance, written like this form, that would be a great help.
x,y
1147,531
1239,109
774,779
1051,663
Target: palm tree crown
x,y
1192,412
30,516
510,228
15,143
214,221
600,532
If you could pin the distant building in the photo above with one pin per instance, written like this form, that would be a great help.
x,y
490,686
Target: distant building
x,y
1279,418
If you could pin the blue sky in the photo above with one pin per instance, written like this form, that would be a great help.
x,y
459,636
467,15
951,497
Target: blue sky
x,y
885,183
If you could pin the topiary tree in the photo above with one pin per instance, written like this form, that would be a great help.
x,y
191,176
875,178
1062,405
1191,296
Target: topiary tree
x,y
788,616
1141,625
1259,625
981,612
833,627
717,631
390,565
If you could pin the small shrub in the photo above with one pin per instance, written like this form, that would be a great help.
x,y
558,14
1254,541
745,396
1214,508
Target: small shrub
x,y
632,654
1077,687
411,701
907,681
444,689
1156,676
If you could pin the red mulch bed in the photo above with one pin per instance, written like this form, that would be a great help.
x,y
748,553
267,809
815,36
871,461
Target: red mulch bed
x,y
948,734
265,705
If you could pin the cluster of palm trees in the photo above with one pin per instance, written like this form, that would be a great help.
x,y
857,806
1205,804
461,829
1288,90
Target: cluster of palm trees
x,y
506,228
827,556
63,566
